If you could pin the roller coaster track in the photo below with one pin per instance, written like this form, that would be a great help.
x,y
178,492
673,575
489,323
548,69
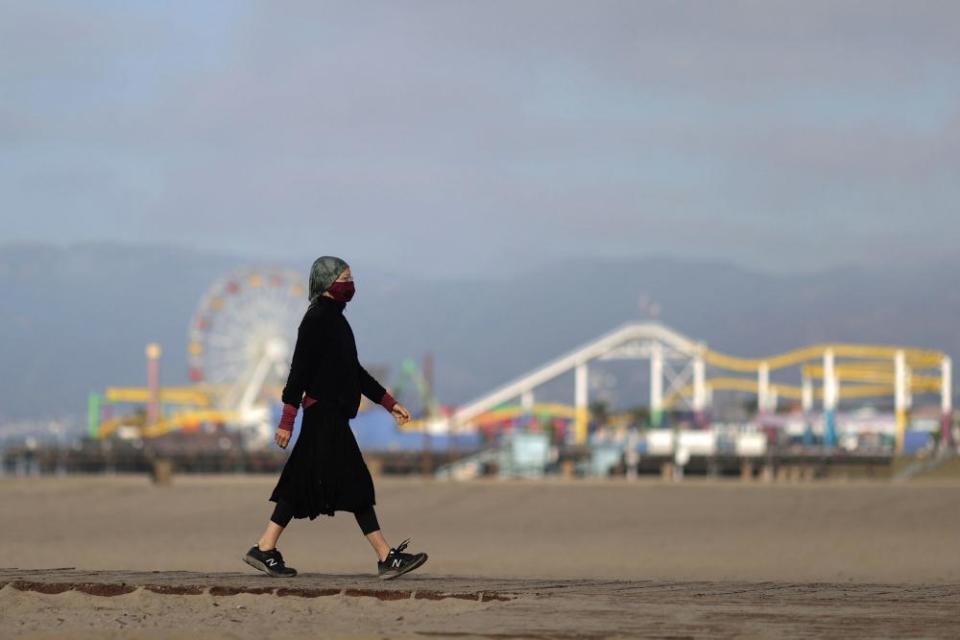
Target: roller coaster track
x,y
843,370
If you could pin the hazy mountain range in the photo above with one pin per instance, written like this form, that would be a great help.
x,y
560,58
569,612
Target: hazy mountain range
x,y
76,319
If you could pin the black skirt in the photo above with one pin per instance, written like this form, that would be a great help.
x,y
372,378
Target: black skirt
x,y
325,471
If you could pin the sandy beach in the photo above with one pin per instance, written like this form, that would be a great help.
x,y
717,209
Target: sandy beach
x,y
693,538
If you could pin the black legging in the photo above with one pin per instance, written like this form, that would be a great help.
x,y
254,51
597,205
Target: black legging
x,y
367,519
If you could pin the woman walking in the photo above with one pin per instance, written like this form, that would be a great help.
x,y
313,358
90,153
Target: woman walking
x,y
325,471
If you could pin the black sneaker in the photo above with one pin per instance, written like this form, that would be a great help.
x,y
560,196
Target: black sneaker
x,y
270,562
398,563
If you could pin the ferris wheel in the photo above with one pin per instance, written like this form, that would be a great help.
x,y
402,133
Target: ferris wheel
x,y
242,334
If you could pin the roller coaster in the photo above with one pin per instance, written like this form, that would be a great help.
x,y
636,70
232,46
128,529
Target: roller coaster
x,y
685,372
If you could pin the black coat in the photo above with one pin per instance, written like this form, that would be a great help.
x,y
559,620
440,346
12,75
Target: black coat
x,y
325,363
325,471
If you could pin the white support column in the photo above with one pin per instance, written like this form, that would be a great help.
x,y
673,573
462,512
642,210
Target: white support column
x,y
581,391
901,398
699,384
581,400
946,403
806,395
831,397
700,389
526,401
831,391
763,387
656,382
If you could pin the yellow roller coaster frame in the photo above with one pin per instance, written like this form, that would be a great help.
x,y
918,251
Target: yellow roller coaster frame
x,y
915,358
170,395
180,420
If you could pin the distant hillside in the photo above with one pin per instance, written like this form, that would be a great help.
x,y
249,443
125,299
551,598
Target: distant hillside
x,y
76,319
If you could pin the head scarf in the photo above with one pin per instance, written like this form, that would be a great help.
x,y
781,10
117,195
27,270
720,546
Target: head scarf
x,y
323,273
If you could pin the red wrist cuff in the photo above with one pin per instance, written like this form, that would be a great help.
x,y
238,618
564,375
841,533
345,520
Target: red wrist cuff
x,y
287,418
388,401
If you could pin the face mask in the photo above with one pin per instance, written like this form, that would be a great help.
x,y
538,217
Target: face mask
x,y
342,291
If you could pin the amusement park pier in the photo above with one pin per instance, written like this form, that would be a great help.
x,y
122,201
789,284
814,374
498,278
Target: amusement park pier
x,y
811,412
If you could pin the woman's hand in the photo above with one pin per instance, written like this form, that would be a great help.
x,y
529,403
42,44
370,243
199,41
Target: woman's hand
x,y
285,428
400,414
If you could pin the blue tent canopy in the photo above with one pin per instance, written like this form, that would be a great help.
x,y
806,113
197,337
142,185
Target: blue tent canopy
x,y
376,430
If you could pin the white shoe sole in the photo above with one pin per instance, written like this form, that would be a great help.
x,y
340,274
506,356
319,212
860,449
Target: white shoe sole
x,y
256,564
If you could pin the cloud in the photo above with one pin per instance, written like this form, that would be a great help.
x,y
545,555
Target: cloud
x,y
484,134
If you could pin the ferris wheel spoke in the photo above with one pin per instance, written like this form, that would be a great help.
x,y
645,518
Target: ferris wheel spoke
x,y
233,326
221,340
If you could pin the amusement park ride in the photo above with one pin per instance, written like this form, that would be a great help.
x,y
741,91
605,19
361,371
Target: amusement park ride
x,y
842,370
240,341
241,337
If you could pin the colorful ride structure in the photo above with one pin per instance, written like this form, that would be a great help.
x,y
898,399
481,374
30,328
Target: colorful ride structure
x,y
240,340
684,372
417,379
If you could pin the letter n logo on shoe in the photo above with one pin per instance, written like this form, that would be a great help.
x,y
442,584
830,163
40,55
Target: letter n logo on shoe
x,y
396,562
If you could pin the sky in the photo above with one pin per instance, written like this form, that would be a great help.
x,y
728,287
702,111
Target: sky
x,y
470,138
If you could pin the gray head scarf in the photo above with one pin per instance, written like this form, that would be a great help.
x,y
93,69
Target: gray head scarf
x,y
323,273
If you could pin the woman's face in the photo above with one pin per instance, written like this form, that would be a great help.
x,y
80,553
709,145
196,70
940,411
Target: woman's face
x,y
345,276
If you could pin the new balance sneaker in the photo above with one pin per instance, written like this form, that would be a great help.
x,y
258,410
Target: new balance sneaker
x,y
398,563
270,562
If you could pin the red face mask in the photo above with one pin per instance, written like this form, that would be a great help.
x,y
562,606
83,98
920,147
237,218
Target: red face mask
x,y
342,291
